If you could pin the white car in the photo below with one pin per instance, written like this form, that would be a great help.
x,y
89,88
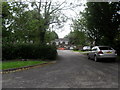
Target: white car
x,y
86,48
71,48
102,52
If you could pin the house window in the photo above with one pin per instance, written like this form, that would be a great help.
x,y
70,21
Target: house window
x,y
57,43
61,42
66,42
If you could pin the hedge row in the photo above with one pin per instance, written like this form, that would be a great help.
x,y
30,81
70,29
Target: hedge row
x,y
28,51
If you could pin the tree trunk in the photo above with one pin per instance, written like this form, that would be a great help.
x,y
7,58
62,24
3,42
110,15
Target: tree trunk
x,y
42,37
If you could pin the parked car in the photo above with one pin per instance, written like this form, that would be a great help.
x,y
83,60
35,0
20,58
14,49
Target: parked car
x,y
86,48
71,48
102,52
61,48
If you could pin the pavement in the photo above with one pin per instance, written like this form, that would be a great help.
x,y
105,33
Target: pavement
x,y
72,70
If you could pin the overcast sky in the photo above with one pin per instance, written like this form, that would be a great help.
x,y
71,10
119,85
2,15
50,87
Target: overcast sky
x,y
71,14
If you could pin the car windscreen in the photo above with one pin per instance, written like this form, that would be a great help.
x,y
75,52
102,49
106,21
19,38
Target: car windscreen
x,y
105,48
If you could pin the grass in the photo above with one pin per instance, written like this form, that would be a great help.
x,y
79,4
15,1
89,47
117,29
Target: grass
x,y
83,52
17,64
79,51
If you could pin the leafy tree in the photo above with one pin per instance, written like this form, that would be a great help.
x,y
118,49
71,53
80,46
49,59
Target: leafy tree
x,y
50,35
19,21
49,13
6,19
77,37
22,24
102,21
19,24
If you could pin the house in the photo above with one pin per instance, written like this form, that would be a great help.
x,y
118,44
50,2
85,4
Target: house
x,y
62,43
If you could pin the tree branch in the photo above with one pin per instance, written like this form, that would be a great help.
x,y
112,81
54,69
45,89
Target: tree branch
x,y
39,6
57,7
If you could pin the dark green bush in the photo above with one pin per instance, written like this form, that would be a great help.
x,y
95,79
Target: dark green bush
x,y
28,51
8,51
75,49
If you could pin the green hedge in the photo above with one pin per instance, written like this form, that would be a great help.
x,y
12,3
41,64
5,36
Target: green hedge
x,y
28,51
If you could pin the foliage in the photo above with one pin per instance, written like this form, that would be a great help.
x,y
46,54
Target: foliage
x,y
102,21
47,13
6,18
77,37
28,51
50,35
21,24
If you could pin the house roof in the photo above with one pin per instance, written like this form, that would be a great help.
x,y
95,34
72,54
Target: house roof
x,y
61,39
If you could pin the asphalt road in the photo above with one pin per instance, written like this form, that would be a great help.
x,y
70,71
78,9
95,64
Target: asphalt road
x,y
72,70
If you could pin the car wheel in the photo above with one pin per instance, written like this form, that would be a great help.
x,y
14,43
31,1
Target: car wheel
x,y
95,58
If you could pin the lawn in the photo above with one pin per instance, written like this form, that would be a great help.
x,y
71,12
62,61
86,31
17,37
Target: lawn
x,y
16,64
78,51
82,52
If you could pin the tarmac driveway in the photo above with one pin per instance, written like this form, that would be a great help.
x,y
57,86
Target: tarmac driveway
x,y
72,70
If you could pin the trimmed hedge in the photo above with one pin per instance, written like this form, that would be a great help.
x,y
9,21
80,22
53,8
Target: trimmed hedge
x,y
28,51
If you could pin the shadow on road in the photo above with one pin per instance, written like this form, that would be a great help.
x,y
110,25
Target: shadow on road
x,y
109,61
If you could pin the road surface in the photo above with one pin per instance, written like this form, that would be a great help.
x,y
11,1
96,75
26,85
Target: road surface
x,y
72,70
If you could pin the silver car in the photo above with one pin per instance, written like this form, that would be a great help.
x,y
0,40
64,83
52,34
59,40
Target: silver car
x,y
102,52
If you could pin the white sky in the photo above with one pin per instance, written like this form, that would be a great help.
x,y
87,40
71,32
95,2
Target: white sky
x,y
71,14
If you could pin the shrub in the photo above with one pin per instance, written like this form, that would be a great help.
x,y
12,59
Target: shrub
x,y
8,51
75,49
28,51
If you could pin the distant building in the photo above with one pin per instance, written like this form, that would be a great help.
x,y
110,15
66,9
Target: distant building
x,y
62,43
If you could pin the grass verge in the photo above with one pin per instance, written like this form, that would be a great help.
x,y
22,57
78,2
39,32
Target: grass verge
x,y
78,51
82,52
17,64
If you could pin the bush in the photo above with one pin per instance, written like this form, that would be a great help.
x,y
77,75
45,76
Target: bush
x,y
28,51
76,49
8,51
